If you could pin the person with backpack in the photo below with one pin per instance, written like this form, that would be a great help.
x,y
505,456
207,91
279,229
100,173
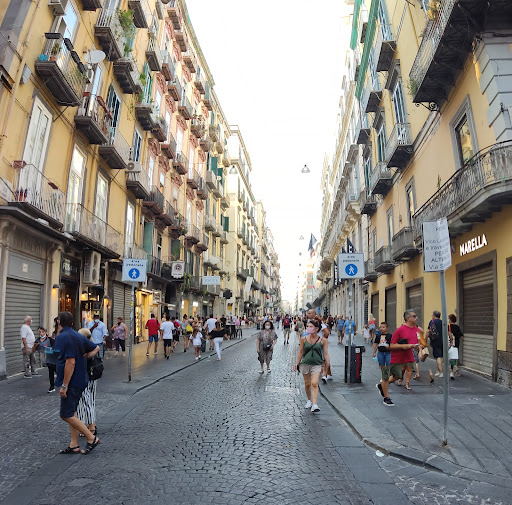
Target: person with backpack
x,y
435,334
340,327
287,323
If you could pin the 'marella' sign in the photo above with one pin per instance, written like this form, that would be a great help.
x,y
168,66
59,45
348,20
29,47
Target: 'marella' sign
x,y
473,245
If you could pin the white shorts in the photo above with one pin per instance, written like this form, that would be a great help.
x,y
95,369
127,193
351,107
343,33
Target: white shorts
x,y
310,369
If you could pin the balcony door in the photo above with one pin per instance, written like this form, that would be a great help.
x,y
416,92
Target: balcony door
x,y
114,105
381,143
384,23
100,209
179,140
399,109
75,189
129,233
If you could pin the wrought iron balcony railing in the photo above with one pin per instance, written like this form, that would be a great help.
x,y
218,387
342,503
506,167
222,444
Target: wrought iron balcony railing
x,y
138,182
399,146
93,119
134,251
384,259
111,34
403,245
380,179
116,151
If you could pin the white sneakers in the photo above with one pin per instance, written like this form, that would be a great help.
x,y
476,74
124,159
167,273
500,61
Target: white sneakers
x,y
324,379
440,375
329,377
315,408
308,405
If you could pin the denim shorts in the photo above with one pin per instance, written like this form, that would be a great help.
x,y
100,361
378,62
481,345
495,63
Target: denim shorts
x,y
153,338
69,404
384,358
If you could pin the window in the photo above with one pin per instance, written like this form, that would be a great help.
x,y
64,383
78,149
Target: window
x,y
189,213
389,218
129,233
168,121
136,145
179,140
158,101
399,103
175,196
191,161
373,71
37,136
464,140
114,104
374,241
100,208
381,143
159,246
464,144
411,200
367,171
76,173
161,181
151,169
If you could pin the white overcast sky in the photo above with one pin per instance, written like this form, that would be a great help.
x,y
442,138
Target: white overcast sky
x,y
277,67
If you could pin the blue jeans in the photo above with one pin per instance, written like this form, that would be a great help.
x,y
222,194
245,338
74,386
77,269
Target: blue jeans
x,y
384,358
102,350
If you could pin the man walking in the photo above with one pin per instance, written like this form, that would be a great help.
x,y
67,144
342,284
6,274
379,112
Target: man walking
x,y
209,326
27,343
152,326
340,327
167,330
72,379
435,333
287,323
98,333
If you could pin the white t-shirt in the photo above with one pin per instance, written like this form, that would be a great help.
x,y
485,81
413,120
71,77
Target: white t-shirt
x,y
167,328
197,339
211,324
26,332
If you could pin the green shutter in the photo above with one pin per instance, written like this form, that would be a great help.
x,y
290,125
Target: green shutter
x,y
213,165
148,238
368,43
226,223
355,24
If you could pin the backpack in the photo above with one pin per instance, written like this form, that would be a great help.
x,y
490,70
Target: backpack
x,y
433,333
95,368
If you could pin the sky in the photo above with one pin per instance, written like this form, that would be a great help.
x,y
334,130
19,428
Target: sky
x,y
277,67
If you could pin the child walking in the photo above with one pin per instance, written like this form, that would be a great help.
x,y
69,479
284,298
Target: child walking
x,y
196,342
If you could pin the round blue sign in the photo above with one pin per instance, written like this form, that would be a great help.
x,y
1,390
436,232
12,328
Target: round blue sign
x,y
134,273
351,269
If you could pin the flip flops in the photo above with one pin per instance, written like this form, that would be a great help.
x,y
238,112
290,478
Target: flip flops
x,y
91,446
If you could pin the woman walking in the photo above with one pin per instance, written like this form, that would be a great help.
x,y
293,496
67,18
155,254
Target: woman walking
x,y
218,335
45,346
371,326
265,342
119,332
313,353
86,410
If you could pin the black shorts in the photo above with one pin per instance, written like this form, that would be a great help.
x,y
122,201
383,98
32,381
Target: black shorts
x,y
167,342
69,404
437,352
176,337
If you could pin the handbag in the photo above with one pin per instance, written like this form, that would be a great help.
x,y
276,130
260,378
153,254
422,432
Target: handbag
x,y
453,353
95,368
424,353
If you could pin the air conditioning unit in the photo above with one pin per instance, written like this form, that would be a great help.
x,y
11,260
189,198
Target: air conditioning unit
x,y
58,6
157,297
92,268
134,167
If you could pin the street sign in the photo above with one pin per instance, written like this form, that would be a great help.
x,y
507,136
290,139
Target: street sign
x,y
134,270
351,266
211,280
437,254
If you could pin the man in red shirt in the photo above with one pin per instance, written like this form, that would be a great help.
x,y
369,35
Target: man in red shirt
x,y
403,341
152,326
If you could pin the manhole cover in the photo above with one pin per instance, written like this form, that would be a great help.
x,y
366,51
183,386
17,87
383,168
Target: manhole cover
x,y
277,389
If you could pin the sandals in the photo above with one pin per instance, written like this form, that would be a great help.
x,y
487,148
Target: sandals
x,y
399,382
70,450
407,387
416,377
91,446
268,370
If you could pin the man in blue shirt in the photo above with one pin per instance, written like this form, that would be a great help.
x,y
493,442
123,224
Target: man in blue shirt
x,y
72,379
98,332
350,329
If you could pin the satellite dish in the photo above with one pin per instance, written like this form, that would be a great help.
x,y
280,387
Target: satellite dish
x,y
94,56
165,2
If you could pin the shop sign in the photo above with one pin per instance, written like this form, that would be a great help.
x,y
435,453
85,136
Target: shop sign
x,y
437,253
178,269
69,268
210,280
473,245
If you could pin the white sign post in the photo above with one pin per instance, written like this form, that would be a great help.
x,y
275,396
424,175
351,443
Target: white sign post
x,y
134,270
437,257
350,266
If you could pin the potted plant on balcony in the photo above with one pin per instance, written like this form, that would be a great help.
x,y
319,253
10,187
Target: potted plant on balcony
x,y
54,51
125,18
434,8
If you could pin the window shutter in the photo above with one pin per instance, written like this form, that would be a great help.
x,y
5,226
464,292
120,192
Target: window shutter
x,y
213,165
226,223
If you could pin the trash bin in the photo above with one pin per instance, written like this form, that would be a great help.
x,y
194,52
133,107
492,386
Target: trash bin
x,y
356,365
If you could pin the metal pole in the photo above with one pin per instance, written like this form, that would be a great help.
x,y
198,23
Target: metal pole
x,y
349,331
446,362
132,328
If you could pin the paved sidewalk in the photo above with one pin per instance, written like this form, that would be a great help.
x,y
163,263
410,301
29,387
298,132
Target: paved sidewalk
x,y
479,423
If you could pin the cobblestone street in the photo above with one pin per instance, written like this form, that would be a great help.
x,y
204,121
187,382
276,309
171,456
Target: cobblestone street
x,y
214,432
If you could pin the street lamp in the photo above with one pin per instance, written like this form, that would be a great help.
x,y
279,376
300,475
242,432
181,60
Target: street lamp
x,y
305,170
232,170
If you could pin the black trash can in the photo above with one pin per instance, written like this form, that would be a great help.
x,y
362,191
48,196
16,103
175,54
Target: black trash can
x,y
356,365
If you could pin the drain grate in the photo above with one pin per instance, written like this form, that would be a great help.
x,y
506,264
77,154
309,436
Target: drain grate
x,y
278,389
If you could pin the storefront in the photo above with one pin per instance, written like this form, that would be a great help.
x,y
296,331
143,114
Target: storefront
x,y
69,285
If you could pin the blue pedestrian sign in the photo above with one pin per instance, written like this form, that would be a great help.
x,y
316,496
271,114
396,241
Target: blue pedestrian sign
x,y
351,266
351,270
134,270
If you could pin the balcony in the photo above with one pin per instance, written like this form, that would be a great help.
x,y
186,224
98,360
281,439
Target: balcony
x,y
192,235
161,129
154,266
226,158
210,223
111,35
141,13
370,273
92,5
472,193
447,41
38,196
380,179
384,260
373,103
205,144
224,239
195,284
168,68
116,151
180,163
218,190
363,136
385,47
138,182
211,261
146,114
154,55
168,147
213,290
214,132
179,35
197,127
211,179
204,242
217,231
224,202
352,206
154,202
399,146
200,84
242,273
167,215
175,89
178,226
240,233
134,251
185,108
93,119
190,61
193,178
60,69
367,203
174,13
207,98
245,240
202,189
127,74
92,231
403,245
219,147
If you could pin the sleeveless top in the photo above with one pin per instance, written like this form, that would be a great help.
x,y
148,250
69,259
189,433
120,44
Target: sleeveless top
x,y
120,332
314,356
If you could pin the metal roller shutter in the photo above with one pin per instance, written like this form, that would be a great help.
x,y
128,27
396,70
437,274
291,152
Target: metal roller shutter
x,y
375,307
121,302
391,309
414,301
478,318
365,315
21,298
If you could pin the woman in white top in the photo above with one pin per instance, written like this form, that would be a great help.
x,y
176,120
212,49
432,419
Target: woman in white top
x,y
196,342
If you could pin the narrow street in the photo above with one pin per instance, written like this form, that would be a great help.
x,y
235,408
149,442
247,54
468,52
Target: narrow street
x,y
214,432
